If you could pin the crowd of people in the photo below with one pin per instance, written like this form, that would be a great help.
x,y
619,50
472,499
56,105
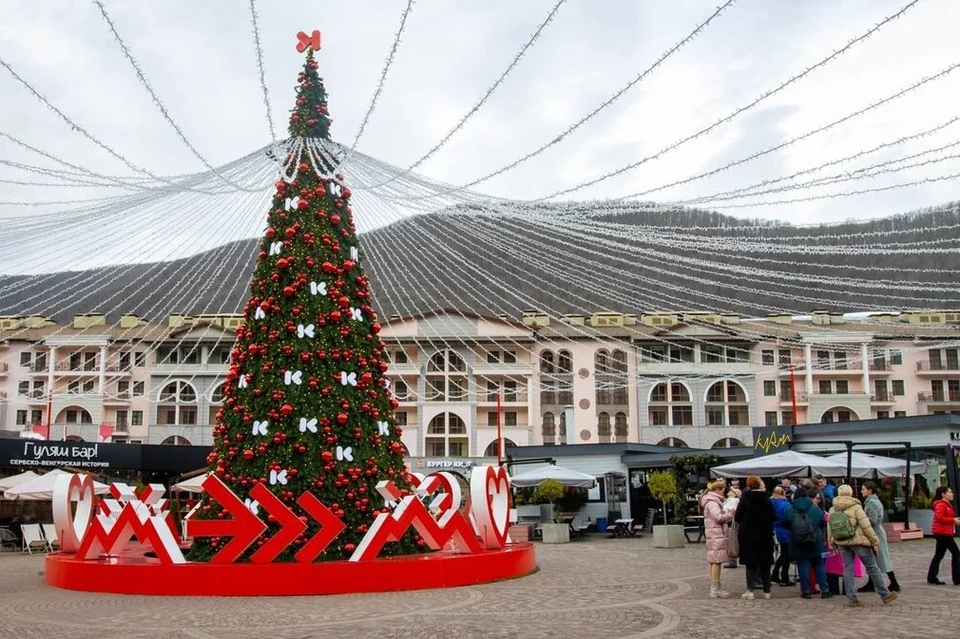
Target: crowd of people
x,y
821,528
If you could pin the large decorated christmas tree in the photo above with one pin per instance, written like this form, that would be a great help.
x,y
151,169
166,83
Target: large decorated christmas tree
x,y
306,405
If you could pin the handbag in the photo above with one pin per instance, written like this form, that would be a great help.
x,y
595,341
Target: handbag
x,y
733,541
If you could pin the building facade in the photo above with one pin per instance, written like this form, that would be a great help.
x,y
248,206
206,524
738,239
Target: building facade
x,y
682,379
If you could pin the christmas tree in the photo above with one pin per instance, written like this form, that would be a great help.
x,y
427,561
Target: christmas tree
x,y
306,405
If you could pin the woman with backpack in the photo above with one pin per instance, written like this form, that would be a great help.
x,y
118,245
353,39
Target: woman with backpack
x,y
849,529
716,521
805,521
945,523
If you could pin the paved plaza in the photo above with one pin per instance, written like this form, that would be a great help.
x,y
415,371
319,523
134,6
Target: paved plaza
x,y
596,588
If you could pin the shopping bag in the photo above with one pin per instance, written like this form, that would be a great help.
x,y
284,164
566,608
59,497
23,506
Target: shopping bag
x,y
733,542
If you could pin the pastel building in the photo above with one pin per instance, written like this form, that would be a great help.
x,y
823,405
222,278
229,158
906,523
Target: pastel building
x,y
683,379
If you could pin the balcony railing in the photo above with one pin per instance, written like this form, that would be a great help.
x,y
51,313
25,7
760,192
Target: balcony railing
x,y
788,397
82,367
942,397
927,367
885,397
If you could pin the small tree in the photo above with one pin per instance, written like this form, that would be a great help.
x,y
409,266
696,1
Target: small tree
x,y
549,490
662,486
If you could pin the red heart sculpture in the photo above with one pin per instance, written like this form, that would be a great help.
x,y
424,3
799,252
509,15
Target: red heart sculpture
x,y
497,483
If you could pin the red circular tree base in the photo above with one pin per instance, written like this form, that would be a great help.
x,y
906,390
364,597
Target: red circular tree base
x,y
136,574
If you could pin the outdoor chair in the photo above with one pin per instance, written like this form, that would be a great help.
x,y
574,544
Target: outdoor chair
x,y
8,538
32,538
50,534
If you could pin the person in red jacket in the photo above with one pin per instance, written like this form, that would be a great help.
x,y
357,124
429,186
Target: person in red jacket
x,y
945,523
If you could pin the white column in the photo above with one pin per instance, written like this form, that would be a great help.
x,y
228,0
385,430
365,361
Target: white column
x,y
808,356
866,368
51,367
102,380
530,417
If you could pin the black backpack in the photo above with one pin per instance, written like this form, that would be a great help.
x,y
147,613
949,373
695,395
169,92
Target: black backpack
x,y
801,530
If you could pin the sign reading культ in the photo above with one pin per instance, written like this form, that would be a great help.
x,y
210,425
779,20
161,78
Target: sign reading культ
x,y
772,439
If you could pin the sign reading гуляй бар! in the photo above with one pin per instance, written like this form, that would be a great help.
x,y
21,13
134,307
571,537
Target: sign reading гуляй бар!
x,y
50,454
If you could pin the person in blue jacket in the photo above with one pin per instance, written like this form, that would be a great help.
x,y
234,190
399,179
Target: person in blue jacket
x,y
781,569
808,554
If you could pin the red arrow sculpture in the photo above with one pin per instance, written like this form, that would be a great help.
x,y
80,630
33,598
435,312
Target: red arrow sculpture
x,y
244,527
330,528
290,525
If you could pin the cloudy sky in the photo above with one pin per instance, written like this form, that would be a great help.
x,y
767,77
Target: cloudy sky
x,y
200,59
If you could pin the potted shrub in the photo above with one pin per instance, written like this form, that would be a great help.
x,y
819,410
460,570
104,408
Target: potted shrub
x,y
921,514
552,491
663,487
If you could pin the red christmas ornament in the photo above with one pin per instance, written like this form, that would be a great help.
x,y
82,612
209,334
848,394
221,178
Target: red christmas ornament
x,y
334,219
342,418
287,410
289,291
248,454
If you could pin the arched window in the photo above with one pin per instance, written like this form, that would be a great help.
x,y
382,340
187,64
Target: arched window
x,y
839,414
603,425
175,440
619,358
177,404
727,405
670,405
620,427
446,381
564,363
549,427
216,397
673,442
73,438
601,362
447,436
491,450
74,415
727,442
546,362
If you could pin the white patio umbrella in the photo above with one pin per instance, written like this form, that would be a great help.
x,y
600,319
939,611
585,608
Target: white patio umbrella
x,y
865,465
15,480
564,476
41,488
192,485
789,463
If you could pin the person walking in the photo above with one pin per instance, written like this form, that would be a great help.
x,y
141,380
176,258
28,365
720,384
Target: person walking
x,y
715,522
781,569
874,509
849,529
945,523
805,521
754,517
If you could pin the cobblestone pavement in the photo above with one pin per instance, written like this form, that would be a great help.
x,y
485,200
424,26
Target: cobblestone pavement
x,y
596,588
